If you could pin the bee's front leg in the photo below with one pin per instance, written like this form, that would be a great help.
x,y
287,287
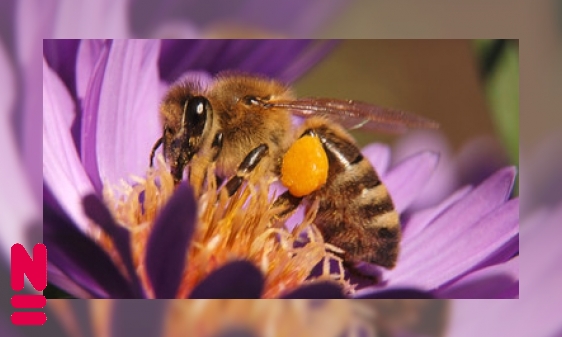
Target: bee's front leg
x,y
287,204
199,165
249,163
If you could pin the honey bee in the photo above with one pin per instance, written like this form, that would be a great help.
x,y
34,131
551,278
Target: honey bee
x,y
243,120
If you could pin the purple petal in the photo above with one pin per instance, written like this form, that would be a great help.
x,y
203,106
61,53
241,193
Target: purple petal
x,y
445,177
62,169
82,260
180,56
393,293
499,281
127,121
417,253
89,53
326,290
406,181
58,278
455,250
379,156
504,253
479,202
98,212
267,57
90,106
420,220
168,242
307,60
283,59
61,56
239,279
18,202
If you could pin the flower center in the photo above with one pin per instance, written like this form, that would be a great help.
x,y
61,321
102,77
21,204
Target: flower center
x,y
240,227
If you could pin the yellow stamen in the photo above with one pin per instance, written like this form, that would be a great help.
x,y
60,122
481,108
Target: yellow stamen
x,y
233,228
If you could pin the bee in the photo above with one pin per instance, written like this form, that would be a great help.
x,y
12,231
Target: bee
x,y
243,120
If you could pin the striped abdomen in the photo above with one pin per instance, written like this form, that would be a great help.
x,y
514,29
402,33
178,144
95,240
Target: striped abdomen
x,y
356,212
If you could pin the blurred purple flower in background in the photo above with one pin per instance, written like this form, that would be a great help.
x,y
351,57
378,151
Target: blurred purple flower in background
x,y
18,200
537,313
246,18
28,95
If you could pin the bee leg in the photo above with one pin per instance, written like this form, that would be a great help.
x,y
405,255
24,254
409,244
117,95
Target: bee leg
x,y
154,148
199,164
248,164
288,204
217,146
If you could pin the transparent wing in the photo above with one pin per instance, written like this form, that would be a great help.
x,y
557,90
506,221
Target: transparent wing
x,y
354,114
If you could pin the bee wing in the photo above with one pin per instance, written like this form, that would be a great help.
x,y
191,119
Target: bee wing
x,y
354,114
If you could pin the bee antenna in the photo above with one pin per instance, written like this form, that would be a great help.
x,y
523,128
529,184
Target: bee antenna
x,y
154,148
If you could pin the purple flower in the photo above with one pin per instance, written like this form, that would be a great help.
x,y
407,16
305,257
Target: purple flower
x,y
99,127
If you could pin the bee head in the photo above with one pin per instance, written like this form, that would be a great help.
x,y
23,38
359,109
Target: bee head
x,y
185,130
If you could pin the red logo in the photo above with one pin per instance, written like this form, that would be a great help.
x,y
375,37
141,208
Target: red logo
x,y
36,271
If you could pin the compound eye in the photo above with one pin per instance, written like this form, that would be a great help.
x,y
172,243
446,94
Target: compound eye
x,y
196,110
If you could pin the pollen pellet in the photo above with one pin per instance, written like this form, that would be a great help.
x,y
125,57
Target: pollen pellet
x,y
305,166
